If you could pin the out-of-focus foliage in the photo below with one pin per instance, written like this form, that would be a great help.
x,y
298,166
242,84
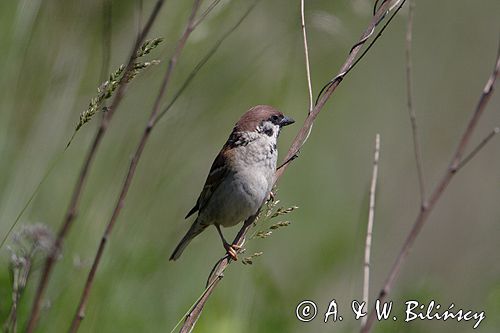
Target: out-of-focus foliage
x,y
50,62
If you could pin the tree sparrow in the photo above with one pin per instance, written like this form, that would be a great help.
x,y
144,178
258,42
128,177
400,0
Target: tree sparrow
x,y
241,177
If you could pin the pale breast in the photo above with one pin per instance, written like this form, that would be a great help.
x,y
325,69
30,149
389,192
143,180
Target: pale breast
x,y
246,187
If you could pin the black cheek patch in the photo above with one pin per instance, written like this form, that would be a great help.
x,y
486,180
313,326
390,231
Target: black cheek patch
x,y
269,132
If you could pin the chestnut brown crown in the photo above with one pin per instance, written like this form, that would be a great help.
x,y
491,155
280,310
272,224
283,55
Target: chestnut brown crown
x,y
258,114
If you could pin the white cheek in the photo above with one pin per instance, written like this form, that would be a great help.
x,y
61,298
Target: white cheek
x,y
276,131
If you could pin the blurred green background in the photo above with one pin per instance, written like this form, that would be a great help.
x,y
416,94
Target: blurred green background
x,y
50,60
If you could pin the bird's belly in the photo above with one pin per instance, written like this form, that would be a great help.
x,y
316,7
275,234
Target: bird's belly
x,y
239,197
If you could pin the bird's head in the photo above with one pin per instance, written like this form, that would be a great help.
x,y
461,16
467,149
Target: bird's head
x,y
263,119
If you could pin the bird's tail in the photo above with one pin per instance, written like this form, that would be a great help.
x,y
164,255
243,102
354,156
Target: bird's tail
x,y
194,231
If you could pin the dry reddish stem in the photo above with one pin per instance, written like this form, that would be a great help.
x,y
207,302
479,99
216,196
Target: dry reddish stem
x,y
297,143
409,95
426,210
80,313
75,198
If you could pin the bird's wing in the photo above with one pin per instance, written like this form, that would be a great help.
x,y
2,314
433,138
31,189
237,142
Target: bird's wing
x,y
218,172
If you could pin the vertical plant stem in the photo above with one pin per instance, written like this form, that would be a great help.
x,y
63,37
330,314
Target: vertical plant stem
x,y
75,198
306,54
354,57
80,312
297,143
308,69
441,186
409,94
369,228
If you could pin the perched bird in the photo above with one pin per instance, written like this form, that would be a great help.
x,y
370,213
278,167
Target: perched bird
x,y
241,177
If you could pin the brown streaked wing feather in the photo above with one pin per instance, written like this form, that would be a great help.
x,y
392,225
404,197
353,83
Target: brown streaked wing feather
x,y
217,173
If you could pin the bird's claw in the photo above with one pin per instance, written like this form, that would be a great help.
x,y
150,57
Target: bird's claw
x,y
232,250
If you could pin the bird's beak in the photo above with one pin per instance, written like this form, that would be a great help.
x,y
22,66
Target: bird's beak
x,y
286,121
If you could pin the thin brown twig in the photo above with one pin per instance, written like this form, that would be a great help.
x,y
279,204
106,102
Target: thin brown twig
x,y
368,33
426,210
209,286
203,61
75,198
331,86
290,156
191,318
80,313
351,62
369,228
207,11
478,148
409,92
106,41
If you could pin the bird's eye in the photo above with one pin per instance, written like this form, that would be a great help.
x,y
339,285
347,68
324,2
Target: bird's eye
x,y
275,119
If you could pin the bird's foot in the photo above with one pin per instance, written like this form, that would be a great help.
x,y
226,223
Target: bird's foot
x,y
232,250
272,197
